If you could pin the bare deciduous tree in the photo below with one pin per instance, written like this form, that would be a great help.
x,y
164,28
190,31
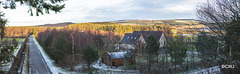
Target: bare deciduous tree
x,y
222,17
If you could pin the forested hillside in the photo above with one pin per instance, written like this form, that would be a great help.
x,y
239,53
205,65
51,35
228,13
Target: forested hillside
x,y
118,28
23,31
101,26
153,22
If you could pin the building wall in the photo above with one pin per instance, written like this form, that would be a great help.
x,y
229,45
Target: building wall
x,y
162,41
141,39
120,61
105,59
116,62
140,45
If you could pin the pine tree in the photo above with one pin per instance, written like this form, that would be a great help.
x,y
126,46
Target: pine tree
x,y
151,49
177,50
14,43
89,54
3,22
6,49
61,48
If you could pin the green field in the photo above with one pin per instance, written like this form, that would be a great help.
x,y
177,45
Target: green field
x,y
18,39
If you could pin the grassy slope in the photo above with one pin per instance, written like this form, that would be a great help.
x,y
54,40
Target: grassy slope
x,y
18,39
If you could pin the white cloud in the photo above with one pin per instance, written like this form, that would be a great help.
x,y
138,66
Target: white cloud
x,y
107,10
179,8
184,6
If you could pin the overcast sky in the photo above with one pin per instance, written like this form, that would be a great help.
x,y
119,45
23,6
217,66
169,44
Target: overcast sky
x,y
78,11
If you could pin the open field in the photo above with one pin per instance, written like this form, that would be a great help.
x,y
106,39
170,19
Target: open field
x,y
18,39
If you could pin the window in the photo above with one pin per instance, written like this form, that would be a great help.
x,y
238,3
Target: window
x,y
131,37
128,37
135,38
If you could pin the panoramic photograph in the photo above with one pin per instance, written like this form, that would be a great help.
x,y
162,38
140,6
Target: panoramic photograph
x,y
119,36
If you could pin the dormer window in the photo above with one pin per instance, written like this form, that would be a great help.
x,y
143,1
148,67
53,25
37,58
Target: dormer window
x,y
128,37
131,37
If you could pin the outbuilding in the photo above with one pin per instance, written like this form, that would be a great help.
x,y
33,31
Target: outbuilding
x,y
118,58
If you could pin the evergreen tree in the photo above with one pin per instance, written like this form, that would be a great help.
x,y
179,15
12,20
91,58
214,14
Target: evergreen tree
x,y
14,43
89,54
47,41
5,50
177,50
61,48
3,22
151,49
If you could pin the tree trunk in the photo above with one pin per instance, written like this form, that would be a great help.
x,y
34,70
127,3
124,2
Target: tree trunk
x,y
89,65
149,63
157,57
175,63
0,39
193,62
73,58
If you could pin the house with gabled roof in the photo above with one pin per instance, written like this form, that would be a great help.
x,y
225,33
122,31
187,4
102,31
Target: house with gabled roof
x,y
137,40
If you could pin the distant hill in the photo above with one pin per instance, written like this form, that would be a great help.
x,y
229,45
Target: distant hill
x,y
171,22
57,24
105,23
153,22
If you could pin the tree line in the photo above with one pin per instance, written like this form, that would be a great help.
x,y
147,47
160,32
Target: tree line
x,y
118,28
23,31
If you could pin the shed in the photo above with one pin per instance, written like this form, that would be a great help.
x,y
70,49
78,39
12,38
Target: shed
x,y
118,58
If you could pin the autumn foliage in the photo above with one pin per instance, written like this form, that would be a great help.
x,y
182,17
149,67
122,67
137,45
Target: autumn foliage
x,y
23,31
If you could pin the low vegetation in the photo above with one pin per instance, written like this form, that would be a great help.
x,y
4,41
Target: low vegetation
x,y
90,58
7,48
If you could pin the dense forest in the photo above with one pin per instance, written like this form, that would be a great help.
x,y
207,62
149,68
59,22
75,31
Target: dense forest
x,y
22,31
117,28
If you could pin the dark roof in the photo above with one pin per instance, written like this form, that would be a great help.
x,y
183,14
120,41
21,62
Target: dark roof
x,y
129,38
117,55
145,34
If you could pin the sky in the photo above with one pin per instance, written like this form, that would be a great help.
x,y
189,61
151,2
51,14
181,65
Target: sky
x,y
79,11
